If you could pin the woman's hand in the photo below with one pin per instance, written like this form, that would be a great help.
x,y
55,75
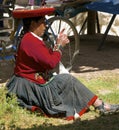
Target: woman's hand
x,y
62,39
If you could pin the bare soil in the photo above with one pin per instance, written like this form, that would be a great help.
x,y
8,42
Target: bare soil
x,y
89,63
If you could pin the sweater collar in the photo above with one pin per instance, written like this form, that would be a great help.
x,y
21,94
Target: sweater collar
x,y
36,36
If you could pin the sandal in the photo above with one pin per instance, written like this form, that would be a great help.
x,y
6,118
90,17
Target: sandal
x,y
103,111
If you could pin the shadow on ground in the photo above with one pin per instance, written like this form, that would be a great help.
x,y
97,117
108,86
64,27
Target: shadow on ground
x,y
110,122
6,70
90,59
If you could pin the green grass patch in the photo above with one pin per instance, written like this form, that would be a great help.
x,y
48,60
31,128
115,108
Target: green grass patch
x,y
106,87
12,117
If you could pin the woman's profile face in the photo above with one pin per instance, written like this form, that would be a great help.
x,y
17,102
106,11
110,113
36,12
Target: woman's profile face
x,y
38,27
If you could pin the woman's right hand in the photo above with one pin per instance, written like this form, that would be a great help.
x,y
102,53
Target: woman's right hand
x,y
62,39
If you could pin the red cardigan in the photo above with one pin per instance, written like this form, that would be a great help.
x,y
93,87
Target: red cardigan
x,y
33,56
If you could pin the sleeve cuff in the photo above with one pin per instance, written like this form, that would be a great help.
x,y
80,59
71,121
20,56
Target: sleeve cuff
x,y
58,47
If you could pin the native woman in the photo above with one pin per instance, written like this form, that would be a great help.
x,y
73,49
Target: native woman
x,y
60,95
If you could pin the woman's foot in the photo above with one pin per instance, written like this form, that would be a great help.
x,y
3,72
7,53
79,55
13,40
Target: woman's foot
x,y
105,109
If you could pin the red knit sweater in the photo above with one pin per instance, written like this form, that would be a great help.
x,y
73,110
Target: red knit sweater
x,y
33,56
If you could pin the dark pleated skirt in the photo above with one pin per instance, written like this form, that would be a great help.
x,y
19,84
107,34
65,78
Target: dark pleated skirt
x,y
62,96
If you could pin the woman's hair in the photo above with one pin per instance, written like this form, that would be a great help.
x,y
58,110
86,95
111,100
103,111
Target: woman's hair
x,y
26,25
27,22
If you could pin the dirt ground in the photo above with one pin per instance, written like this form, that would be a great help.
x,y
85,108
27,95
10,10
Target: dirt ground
x,y
88,63
92,62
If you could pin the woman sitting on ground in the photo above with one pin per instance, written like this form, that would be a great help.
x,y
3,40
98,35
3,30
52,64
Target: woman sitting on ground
x,y
60,95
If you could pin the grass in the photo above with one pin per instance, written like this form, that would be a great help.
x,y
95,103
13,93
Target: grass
x,y
14,118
